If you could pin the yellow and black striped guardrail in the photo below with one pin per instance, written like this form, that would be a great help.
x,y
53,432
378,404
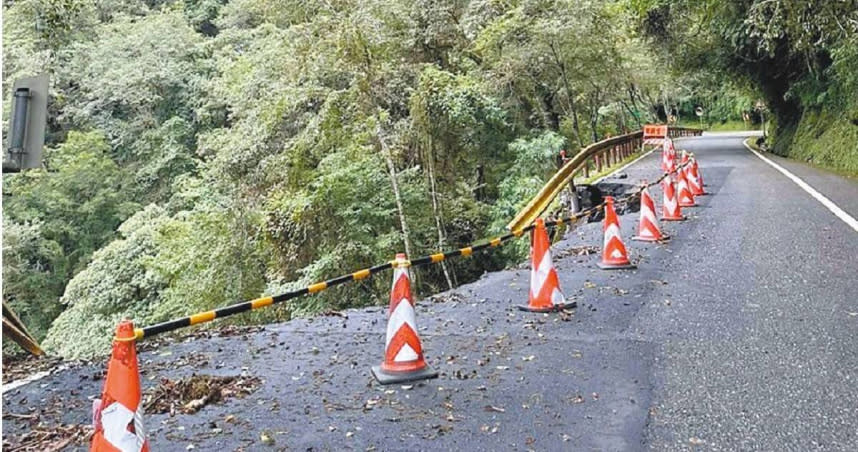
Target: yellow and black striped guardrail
x,y
226,311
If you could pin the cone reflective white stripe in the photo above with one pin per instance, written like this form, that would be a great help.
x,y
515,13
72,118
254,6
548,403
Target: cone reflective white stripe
x,y
693,182
699,174
119,414
648,227
611,233
696,179
668,156
614,254
403,352
402,315
670,208
539,275
545,294
115,420
684,198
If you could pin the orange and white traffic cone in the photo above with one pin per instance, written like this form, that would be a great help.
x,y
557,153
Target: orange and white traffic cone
x,y
695,170
693,180
545,294
118,417
668,156
670,210
614,255
403,355
648,230
686,198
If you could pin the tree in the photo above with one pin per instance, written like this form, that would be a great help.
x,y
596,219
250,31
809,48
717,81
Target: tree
x,y
116,285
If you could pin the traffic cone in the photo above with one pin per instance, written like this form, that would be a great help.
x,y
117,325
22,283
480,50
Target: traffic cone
x,y
545,294
119,415
648,230
693,180
668,156
686,198
695,169
670,210
614,255
403,355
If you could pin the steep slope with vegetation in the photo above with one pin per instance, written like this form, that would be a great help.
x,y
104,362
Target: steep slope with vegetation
x,y
207,151
202,152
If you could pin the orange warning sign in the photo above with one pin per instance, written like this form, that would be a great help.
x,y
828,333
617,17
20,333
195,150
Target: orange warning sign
x,y
654,131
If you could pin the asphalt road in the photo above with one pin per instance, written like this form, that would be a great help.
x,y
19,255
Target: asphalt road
x,y
741,333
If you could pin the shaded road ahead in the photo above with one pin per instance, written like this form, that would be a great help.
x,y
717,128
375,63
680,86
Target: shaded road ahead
x,y
740,333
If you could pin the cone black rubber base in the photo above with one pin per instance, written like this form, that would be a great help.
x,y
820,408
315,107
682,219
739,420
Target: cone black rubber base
x,y
555,308
663,238
389,378
688,205
682,218
616,267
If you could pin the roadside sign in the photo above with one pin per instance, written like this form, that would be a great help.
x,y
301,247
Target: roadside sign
x,y
654,134
26,134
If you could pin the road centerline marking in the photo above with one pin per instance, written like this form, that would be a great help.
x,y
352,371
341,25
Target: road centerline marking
x,y
834,208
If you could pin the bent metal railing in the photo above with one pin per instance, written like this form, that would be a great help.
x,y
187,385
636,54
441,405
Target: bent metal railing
x,y
605,153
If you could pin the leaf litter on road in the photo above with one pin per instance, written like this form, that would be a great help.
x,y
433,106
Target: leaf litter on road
x,y
189,395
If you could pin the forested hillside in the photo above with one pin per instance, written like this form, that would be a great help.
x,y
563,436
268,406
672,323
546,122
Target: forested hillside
x,y
800,55
203,152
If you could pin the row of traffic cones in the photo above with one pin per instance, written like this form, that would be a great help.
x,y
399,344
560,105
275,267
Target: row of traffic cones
x,y
403,358
545,293
118,415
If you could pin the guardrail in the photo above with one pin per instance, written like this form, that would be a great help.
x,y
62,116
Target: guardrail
x,y
237,308
604,154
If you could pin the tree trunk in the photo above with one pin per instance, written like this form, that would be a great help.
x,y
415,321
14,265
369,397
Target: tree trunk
x,y
569,95
635,112
391,168
436,210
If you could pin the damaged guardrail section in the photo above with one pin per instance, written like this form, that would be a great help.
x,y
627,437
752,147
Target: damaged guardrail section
x,y
603,153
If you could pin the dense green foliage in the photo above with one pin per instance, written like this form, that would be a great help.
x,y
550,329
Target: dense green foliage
x,y
203,152
800,56
208,151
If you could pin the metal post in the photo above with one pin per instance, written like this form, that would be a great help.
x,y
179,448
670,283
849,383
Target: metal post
x,y
18,131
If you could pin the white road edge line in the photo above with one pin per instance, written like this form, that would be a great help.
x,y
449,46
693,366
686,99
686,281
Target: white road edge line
x,y
837,211
623,167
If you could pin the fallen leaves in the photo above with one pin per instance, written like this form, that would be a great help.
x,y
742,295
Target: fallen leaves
x,y
48,439
494,409
191,394
15,368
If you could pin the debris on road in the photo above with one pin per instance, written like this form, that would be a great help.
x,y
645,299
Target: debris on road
x,y
41,438
191,394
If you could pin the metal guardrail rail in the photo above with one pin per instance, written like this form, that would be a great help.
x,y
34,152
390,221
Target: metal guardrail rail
x,y
237,308
605,153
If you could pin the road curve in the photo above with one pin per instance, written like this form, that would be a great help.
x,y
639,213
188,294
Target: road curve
x,y
738,334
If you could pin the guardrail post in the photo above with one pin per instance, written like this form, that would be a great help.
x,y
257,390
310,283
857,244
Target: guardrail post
x,y
598,159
